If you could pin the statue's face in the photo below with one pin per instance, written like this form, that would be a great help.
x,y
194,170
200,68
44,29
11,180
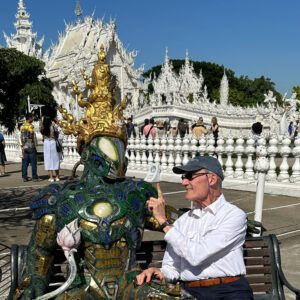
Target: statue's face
x,y
105,157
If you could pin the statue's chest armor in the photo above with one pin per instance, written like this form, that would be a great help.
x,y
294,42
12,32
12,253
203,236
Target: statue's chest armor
x,y
108,212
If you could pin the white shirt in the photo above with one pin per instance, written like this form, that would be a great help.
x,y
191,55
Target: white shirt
x,y
206,243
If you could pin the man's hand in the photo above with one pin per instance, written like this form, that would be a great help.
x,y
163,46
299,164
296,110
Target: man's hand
x,y
157,206
146,275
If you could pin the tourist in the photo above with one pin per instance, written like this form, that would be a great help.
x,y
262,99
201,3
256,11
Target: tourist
x,y
174,129
146,122
183,128
291,129
160,129
51,153
257,128
150,129
199,130
2,154
130,128
28,146
215,129
205,245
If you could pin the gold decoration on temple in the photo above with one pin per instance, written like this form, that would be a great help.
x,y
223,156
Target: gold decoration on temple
x,y
101,118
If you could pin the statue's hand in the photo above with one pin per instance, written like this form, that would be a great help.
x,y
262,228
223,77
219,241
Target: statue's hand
x,y
254,227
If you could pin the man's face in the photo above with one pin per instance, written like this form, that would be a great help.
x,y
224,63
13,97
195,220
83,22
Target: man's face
x,y
197,185
30,120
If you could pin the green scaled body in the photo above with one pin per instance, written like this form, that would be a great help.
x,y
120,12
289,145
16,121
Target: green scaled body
x,y
111,212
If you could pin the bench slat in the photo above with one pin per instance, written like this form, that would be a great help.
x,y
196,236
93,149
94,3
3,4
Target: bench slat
x,y
257,261
255,244
261,288
256,252
258,270
260,278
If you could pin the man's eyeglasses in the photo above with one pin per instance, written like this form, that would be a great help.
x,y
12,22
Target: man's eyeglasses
x,y
191,176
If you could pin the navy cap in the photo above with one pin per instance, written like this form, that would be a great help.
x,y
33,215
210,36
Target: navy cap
x,y
201,162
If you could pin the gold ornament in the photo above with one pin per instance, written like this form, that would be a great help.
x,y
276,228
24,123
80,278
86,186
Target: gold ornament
x,y
101,118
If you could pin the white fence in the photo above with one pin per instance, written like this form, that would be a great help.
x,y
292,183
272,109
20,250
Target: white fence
x,y
237,156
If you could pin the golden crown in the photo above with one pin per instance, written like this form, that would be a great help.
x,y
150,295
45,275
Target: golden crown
x,y
101,118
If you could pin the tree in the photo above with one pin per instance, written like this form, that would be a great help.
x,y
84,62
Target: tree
x,y
296,89
243,91
22,76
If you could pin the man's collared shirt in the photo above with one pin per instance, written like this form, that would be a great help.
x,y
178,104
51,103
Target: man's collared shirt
x,y
206,243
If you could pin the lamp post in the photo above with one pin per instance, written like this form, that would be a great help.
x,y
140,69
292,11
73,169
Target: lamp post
x,y
34,106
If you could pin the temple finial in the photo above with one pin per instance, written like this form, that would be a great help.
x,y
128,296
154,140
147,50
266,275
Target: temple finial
x,y
167,55
78,10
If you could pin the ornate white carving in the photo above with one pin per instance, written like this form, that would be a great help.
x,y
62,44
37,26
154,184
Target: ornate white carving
x,y
24,39
224,90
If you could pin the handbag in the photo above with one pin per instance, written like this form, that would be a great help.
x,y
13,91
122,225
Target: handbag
x,y
59,146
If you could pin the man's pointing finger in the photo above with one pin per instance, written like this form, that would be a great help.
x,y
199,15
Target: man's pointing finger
x,y
159,191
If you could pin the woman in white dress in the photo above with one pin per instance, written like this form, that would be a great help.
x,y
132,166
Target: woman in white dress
x,y
51,156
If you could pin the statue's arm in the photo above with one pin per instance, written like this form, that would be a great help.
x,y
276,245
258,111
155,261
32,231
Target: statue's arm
x,y
87,81
39,261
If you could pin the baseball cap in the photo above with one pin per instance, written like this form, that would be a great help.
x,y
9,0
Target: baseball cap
x,y
201,162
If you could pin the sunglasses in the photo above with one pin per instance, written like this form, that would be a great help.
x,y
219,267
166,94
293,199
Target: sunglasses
x,y
191,176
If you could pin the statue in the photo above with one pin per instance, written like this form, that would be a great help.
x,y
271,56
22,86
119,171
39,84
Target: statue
x,y
293,101
99,219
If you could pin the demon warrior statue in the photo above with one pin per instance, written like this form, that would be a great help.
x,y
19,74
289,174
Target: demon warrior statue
x,y
97,220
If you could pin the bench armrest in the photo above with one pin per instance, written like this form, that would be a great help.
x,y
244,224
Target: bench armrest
x,y
282,277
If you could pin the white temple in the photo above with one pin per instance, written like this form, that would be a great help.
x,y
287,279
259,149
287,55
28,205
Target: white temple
x,y
77,49
175,96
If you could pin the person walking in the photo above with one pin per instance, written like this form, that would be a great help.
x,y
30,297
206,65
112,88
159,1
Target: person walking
x,y
51,155
204,245
2,154
215,129
28,147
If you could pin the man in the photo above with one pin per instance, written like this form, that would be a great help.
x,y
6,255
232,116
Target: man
x,y
2,155
205,244
28,147
130,128
183,128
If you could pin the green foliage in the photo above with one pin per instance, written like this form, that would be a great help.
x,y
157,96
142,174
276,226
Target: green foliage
x,y
296,89
242,90
19,78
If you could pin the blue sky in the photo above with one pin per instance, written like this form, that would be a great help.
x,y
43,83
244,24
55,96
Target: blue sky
x,y
251,37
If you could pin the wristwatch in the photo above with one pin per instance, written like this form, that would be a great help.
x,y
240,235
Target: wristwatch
x,y
165,224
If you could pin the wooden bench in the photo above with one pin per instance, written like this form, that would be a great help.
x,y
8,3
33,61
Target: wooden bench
x,y
261,254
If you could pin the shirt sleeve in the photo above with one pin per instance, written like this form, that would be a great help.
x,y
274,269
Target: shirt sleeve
x,y
171,264
227,236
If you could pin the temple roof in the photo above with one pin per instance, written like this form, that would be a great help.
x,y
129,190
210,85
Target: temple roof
x,y
77,49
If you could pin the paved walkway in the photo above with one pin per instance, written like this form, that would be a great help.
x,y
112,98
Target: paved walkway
x,y
281,214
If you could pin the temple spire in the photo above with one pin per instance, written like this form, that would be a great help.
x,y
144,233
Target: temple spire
x,y
167,56
23,25
78,11
224,90
24,39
